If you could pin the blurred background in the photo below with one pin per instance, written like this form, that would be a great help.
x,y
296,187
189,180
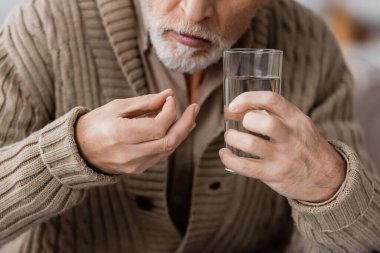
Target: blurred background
x,y
356,25
5,7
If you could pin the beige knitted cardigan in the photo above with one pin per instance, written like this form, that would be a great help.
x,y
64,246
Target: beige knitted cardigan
x,y
57,55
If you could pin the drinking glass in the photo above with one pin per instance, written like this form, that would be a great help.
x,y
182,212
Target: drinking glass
x,y
248,70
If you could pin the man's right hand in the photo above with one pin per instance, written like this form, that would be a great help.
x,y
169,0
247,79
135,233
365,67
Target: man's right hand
x,y
121,138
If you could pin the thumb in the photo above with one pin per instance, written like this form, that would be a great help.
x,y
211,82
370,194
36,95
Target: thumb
x,y
141,105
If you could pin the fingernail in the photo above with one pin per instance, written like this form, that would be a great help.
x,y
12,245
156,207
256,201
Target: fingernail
x,y
165,91
196,110
232,107
170,97
221,152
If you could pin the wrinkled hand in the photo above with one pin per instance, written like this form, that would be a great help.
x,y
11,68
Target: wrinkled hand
x,y
127,136
295,160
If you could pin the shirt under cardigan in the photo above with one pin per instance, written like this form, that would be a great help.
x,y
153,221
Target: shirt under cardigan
x,y
59,59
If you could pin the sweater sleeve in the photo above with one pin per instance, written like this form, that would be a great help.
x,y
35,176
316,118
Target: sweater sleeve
x,y
350,220
41,171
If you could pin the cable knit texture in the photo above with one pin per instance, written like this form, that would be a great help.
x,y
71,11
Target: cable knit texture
x,y
59,59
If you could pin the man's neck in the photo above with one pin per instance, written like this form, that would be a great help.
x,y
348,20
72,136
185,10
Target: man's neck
x,y
193,82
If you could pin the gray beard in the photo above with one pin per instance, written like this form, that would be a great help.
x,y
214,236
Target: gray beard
x,y
182,58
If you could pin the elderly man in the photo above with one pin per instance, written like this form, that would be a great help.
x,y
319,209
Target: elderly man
x,y
101,152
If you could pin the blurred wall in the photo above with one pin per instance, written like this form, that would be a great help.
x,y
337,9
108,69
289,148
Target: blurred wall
x,y
5,8
357,27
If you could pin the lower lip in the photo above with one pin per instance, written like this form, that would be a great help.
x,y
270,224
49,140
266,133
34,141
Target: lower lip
x,y
189,41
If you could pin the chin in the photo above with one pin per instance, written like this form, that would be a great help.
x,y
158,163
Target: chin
x,y
190,64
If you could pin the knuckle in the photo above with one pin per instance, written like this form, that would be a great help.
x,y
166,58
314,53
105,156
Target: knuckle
x,y
113,169
150,99
271,98
120,158
150,102
172,117
304,121
169,144
308,121
135,169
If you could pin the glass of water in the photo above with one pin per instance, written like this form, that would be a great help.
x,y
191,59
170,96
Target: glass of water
x,y
248,70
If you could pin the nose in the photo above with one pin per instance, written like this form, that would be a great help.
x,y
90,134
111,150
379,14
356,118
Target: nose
x,y
197,10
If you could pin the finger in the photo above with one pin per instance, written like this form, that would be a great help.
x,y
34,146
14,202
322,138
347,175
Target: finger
x,y
228,115
148,129
263,100
167,116
243,166
264,124
249,143
143,129
137,106
177,133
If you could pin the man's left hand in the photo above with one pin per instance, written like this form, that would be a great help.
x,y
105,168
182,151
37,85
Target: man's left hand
x,y
295,160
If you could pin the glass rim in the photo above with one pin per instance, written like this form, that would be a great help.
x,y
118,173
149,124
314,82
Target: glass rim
x,y
253,50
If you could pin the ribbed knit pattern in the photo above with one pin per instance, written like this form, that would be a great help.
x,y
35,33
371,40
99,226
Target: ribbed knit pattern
x,y
58,59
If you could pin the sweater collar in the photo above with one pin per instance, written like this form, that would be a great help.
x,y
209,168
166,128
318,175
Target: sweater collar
x,y
121,26
143,37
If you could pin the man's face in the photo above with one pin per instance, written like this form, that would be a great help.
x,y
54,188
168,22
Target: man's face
x,y
190,35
